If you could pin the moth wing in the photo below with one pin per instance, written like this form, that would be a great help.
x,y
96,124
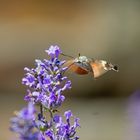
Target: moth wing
x,y
71,64
98,68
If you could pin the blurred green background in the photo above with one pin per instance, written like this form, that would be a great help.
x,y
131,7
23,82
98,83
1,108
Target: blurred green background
x,y
99,29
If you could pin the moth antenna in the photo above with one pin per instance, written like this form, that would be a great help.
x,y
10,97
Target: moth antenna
x,y
67,55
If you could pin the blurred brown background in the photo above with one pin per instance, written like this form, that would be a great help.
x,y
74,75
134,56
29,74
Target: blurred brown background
x,y
98,29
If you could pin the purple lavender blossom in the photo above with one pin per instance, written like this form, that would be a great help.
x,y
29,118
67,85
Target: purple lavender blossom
x,y
64,130
53,51
46,82
23,124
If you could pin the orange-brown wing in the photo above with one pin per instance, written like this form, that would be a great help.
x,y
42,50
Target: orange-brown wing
x,y
98,68
75,68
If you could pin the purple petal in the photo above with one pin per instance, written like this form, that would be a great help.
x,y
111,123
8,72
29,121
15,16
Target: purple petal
x,y
68,114
53,51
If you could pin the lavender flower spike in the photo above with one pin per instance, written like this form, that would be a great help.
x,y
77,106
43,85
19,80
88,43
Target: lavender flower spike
x,y
64,131
23,123
46,82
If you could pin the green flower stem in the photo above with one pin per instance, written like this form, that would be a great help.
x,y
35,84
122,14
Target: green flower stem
x,y
41,110
51,115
